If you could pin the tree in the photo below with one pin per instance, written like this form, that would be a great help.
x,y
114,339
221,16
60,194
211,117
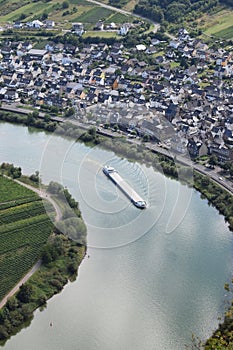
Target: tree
x,y
12,303
54,109
92,131
49,253
65,5
35,177
213,160
35,114
69,112
146,138
42,299
44,16
231,171
15,172
3,332
54,187
25,293
47,118
30,119
72,267
227,166
26,311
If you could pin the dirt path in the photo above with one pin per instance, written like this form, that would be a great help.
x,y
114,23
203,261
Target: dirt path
x,y
44,195
19,284
124,12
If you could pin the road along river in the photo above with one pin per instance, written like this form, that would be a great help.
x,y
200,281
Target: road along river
x,y
152,278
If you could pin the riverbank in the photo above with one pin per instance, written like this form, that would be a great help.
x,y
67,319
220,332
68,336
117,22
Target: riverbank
x,y
60,258
198,253
178,167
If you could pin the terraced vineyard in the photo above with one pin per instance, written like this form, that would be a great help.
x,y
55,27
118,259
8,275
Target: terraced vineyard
x,y
24,229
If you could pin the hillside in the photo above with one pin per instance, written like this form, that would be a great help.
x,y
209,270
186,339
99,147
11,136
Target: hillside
x,y
27,241
175,11
25,228
63,13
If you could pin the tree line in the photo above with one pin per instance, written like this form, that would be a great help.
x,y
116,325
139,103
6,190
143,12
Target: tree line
x,y
175,11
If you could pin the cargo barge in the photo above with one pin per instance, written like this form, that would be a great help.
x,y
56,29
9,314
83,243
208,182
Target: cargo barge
x,y
112,174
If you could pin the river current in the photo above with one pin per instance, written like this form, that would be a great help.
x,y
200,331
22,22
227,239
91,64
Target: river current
x,y
153,277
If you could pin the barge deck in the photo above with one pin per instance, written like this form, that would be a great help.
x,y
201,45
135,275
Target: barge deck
x,y
125,187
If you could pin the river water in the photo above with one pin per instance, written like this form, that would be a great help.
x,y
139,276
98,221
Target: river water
x,y
153,277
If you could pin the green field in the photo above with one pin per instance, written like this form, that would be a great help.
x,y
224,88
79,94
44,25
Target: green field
x,y
100,34
119,18
24,229
219,25
28,10
94,15
77,11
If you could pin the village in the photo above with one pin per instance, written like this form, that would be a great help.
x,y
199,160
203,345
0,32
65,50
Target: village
x,y
177,92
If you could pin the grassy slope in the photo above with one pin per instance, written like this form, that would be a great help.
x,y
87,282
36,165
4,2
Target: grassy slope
x,y
78,11
219,24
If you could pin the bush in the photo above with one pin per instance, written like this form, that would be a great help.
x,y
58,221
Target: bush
x,y
25,293
57,284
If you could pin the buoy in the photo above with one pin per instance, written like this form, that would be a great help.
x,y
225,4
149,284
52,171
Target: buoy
x,y
51,324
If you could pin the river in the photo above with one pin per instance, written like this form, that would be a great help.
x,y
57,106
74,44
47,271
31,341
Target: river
x,y
153,277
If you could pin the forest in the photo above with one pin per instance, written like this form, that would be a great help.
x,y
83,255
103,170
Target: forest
x,y
175,11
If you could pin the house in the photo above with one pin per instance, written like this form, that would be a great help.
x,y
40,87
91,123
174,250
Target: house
x,y
26,46
171,112
179,144
174,44
150,128
193,147
70,49
11,95
25,82
104,98
228,136
37,55
124,28
18,25
155,41
35,24
151,49
6,50
222,152
141,47
2,92
50,46
78,28
99,25
49,23
112,26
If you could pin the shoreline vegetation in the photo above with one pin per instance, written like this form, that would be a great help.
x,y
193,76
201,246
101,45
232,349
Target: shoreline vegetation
x,y
221,199
59,257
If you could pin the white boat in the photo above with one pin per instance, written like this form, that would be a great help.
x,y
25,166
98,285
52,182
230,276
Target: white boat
x,y
111,172
108,170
